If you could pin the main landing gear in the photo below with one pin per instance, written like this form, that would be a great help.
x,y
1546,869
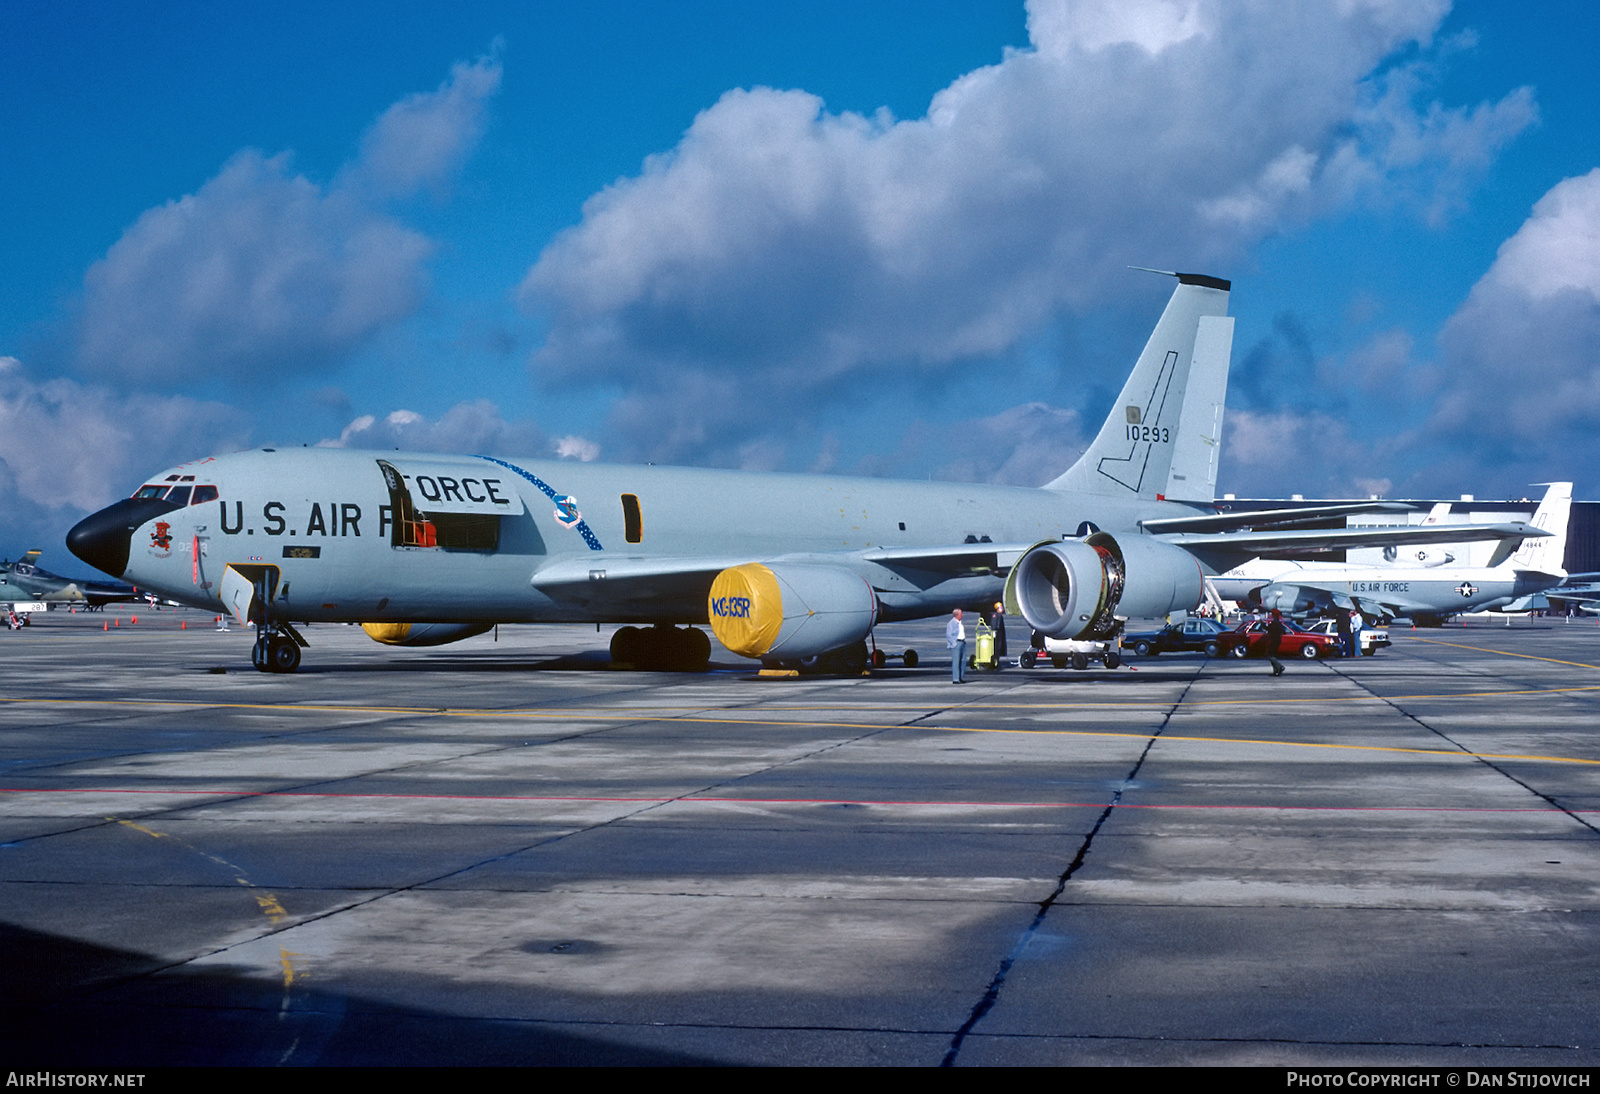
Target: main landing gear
x,y
662,649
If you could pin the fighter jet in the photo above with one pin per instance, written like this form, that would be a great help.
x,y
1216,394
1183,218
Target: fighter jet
x,y
26,581
791,569
1426,594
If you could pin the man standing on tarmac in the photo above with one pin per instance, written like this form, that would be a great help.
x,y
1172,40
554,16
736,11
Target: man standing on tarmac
x,y
1341,627
1275,632
955,636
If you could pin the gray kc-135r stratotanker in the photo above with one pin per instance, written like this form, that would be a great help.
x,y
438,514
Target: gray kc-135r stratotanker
x,y
790,569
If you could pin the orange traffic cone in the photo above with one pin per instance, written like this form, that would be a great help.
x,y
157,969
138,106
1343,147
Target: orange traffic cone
x,y
105,626
135,619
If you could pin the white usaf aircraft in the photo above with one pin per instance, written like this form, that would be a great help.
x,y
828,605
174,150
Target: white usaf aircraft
x,y
1427,593
790,569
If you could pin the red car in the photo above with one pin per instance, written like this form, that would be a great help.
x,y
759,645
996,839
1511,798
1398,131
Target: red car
x,y
1248,640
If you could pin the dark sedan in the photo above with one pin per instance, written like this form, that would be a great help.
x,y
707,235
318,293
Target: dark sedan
x,y
1250,638
1188,636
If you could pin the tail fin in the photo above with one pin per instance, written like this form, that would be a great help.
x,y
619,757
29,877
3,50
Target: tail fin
x,y
1163,437
1547,553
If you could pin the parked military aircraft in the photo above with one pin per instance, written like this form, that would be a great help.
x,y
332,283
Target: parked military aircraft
x,y
26,580
791,569
1426,594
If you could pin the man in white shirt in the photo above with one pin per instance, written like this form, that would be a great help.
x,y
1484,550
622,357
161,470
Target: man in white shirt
x,y
955,636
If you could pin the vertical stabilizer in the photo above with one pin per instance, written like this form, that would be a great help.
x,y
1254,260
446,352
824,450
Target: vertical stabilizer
x,y
1162,437
1547,553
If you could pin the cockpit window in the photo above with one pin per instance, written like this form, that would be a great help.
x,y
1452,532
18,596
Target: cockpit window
x,y
150,491
179,495
203,493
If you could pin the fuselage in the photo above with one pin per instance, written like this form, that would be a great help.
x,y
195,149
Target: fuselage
x,y
347,549
1437,590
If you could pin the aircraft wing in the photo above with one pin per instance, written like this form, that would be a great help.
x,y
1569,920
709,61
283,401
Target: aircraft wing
x,y
635,584
1584,592
1263,518
681,584
1299,541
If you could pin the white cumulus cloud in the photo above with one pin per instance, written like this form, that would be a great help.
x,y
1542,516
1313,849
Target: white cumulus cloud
x,y
781,253
69,448
475,426
262,272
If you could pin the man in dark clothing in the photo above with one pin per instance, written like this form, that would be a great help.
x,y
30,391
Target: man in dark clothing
x,y
1275,632
998,622
1341,624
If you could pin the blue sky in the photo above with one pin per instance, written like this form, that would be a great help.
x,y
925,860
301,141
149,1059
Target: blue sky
x,y
886,239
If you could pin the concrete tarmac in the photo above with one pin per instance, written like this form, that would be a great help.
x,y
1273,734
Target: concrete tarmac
x,y
508,852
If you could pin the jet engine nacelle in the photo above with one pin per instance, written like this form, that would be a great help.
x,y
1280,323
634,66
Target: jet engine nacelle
x,y
790,611
423,634
1294,599
1085,588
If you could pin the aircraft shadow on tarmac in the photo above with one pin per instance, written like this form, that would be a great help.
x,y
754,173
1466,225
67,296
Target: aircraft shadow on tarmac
x,y
74,1005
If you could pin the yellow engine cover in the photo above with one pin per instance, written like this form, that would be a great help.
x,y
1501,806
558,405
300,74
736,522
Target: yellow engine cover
x,y
746,609
390,634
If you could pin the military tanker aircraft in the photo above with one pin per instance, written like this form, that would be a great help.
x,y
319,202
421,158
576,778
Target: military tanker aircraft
x,y
795,570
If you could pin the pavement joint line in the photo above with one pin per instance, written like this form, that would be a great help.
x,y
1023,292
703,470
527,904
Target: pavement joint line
x,y
690,799
1502,653
1188,738
647,805
1484,758
991,995
646,714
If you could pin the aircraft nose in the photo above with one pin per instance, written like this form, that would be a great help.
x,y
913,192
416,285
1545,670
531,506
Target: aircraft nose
x,y
103,539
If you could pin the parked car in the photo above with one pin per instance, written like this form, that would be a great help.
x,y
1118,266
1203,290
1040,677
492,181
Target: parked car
x,y
1186,636
1248,638
1373,639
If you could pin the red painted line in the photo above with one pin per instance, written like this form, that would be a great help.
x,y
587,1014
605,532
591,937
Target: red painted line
x,y
691,799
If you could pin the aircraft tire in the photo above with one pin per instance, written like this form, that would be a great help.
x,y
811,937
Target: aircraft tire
x,y
845,661
283,655
695,648
911,659
879,659
626,645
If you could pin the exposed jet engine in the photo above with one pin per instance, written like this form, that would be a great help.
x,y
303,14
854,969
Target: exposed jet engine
x,y
423,634
1085,588
790,611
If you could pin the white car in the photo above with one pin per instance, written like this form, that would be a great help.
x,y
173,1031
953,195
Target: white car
x,y
1373,639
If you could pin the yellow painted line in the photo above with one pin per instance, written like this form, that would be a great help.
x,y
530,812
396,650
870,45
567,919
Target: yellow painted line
x,y
660,713
270,906
1141,737
1502,653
